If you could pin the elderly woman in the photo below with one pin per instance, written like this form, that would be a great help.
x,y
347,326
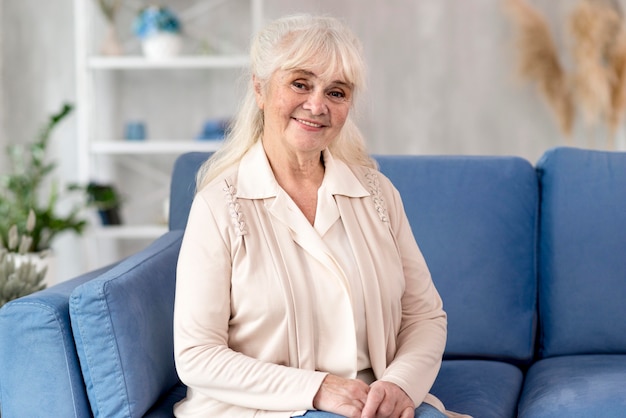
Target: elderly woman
x,y
300,287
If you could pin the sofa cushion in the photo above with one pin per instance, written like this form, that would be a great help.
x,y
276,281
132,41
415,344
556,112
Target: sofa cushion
x,y
36,342
575,386
475,219
485,389
582,274
122,324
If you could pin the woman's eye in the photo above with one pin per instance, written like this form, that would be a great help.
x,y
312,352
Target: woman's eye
x,y
299,85
339,96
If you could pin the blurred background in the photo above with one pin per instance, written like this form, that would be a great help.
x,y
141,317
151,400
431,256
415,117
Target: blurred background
x,y
444,78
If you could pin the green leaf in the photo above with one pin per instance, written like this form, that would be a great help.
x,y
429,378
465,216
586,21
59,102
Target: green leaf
x,y
23,187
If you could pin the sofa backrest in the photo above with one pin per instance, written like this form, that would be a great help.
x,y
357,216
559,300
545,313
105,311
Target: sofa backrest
x,y
183,187
122,327
582,282
475,220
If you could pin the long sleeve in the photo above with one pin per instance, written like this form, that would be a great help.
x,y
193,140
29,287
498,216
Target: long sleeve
x,y
203,311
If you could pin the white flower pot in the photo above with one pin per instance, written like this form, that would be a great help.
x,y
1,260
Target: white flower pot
x,y
43,260
162,45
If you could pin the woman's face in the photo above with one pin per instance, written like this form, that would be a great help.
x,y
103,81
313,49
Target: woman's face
x,y
303,112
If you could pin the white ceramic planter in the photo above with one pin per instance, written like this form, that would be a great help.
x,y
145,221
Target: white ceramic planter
x,y
162,45
47,261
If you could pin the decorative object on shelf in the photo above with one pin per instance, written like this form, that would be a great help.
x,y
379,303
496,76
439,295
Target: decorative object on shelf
x,y
21,273
597,83
22,189
135,131
105,199
160,32
111,44
213,129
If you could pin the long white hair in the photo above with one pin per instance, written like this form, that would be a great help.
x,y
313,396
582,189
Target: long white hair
x,y
294,42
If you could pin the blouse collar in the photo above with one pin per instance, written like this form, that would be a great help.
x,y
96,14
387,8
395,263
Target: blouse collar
x,y
256,179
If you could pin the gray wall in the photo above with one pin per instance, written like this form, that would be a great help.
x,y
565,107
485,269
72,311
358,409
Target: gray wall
x,y
38,76
2,134
442,78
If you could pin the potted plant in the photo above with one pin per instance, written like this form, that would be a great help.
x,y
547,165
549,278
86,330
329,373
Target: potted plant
x,y
28,199
20,276
159,30
105,199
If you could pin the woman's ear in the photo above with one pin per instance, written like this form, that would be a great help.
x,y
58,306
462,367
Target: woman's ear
x,y
258,92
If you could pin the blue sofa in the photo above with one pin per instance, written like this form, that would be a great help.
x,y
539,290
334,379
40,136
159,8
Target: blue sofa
x,y
530,262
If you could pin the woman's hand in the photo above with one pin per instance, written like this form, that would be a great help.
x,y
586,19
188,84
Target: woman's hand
x,y
341,396
387,400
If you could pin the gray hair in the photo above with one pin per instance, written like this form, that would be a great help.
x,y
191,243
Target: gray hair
x,y
291,43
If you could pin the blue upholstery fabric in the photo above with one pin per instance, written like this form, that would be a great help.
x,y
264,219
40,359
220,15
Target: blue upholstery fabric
x,y
122,324
582,297
164,406
475,219
35,339
575,387
183,187
483,389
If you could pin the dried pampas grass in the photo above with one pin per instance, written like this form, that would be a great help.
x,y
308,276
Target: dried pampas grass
x,y
539,62
617,63
593,26
597,84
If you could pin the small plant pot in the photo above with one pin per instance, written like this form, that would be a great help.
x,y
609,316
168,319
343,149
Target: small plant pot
x,y
105,199
162,45
110,216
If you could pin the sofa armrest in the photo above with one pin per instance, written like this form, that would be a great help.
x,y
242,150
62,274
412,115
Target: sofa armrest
x,y
39,370
122,325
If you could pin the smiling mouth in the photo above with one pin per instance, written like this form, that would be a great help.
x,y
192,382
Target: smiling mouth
x,y
308,123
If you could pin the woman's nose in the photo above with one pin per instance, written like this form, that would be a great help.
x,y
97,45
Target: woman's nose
x,y
316,103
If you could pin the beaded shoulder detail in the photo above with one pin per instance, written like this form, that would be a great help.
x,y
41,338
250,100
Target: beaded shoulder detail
x,y
374,189
235,209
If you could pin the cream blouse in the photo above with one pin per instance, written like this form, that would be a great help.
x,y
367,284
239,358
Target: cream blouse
x,y
340,332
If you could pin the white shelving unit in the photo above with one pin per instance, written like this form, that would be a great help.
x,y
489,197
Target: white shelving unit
x,y
103,153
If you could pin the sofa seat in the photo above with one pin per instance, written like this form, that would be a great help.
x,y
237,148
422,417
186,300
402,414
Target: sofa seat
x,y
579,386
481,388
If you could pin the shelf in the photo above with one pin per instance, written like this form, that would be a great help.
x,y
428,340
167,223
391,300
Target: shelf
x,y
138,62
154,146
130,232
111,88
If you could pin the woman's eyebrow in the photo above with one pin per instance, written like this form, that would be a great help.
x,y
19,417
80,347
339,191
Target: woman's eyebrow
x,y
304,72
309,73
344,84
